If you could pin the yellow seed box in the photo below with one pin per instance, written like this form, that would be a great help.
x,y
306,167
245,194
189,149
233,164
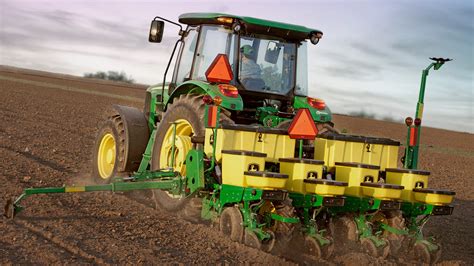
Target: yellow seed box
x,y
324,187
299,170
236,162
408,178
433,196
381,190
265,180
355,174
274,142
333,148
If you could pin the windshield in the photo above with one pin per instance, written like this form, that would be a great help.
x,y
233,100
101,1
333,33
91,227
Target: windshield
x,y
267,65
213,40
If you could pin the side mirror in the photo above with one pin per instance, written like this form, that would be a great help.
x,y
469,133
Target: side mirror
x,y
156,31
272,52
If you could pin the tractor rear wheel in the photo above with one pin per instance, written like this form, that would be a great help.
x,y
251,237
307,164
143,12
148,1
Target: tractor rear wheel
x,y
109,150
185,116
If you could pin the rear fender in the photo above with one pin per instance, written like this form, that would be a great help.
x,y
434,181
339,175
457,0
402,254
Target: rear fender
x,y
200,87
319,116
137,135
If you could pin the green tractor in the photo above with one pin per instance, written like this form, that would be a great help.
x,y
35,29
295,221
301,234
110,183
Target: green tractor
x,y
219,143
270,96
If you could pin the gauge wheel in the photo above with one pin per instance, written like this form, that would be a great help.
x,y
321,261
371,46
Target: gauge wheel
x,y
230,223
345,229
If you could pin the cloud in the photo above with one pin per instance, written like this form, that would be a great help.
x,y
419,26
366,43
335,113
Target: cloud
x,y
369,50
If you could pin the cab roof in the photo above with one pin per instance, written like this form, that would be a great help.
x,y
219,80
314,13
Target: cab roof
x,y
252,25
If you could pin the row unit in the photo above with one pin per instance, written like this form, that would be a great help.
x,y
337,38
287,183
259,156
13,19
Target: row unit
x,y
247,169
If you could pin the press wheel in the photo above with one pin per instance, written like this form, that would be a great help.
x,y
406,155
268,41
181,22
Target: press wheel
x,y
251,240
312,248
269,244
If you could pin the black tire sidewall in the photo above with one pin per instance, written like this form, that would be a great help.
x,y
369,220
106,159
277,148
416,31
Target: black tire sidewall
x,y
107,128
180,110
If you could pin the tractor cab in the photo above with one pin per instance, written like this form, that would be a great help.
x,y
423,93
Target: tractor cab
x,y
266,65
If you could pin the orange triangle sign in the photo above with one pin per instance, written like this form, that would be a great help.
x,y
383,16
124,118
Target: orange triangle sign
x,y
303,126
220,71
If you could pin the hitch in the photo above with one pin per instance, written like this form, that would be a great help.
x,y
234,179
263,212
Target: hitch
x,y
166,180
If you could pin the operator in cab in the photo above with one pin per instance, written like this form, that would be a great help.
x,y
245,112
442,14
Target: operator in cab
x,y
250,72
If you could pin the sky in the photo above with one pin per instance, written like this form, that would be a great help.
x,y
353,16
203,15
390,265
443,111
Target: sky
x,y
370,57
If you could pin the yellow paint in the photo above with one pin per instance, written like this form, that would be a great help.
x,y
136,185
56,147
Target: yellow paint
x,y
431,198
74,189
297,173
234,166
106,156
264,182
408,181
354,176
182,143
332,151
381,193
420,111
274,145
324,189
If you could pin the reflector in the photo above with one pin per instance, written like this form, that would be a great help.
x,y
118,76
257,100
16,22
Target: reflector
x,y
220,71
302,126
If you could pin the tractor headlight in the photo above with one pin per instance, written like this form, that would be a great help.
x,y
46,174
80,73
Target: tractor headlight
x,y
315,37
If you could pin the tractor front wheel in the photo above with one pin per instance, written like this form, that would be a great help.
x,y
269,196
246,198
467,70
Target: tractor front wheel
x,y
109,150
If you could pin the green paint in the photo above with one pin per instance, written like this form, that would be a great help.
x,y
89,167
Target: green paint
x,y
195,170
291,220
173,145
171,183
200,18
306,201
145,162
319,116
356,204
201,87
411,153
365,231
394,230
268,116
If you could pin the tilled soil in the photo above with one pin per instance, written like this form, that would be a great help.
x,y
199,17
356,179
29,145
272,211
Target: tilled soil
x,y
47,128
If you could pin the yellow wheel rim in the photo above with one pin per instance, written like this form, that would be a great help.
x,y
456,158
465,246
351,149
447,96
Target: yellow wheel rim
x,y
106,156
183,145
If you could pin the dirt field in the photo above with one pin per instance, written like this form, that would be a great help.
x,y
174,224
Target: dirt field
x,y
47,127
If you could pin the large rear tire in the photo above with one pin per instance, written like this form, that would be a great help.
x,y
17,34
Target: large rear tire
x,y
187,113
